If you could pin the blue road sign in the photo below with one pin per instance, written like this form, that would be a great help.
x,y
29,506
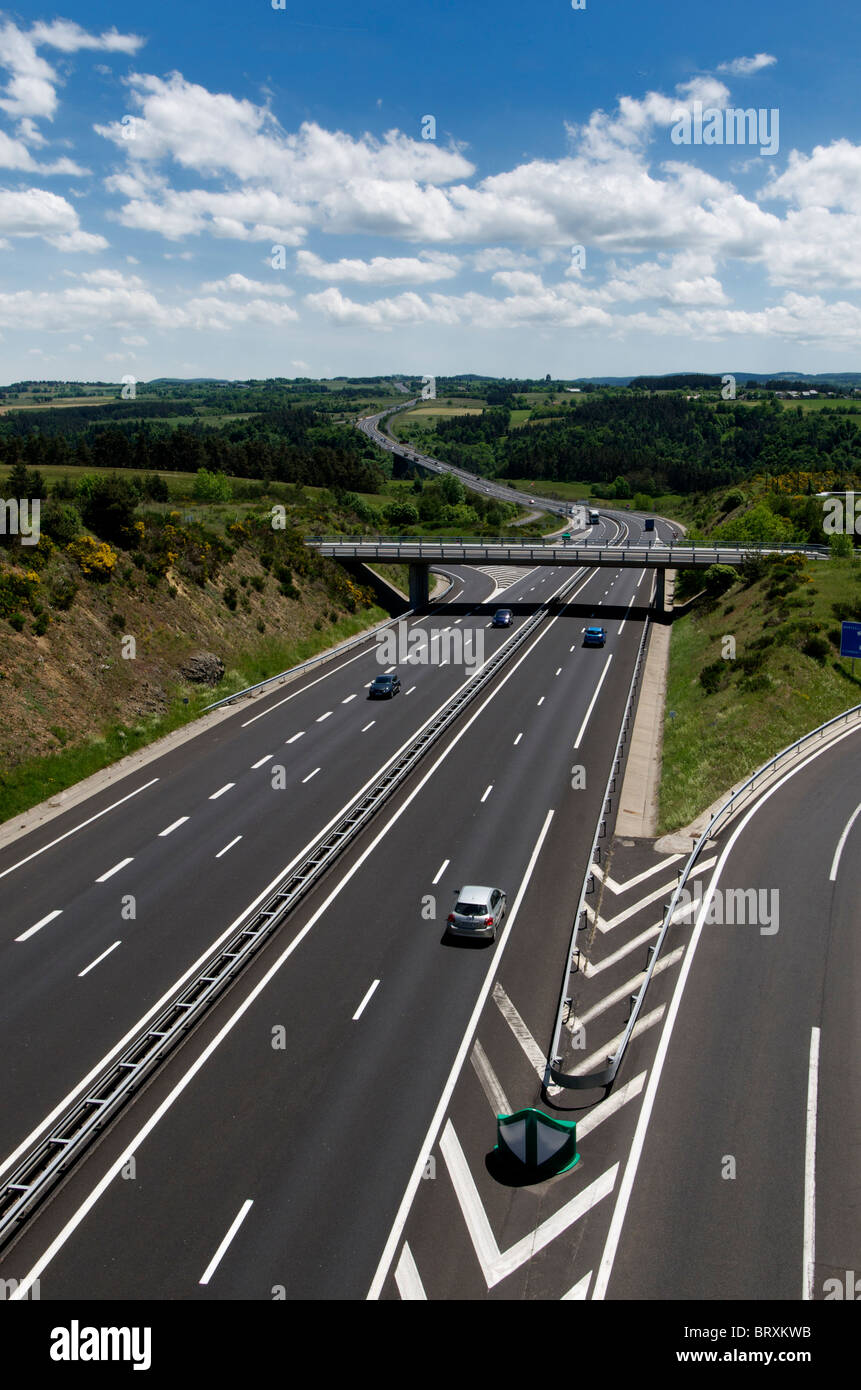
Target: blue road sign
x,y
850,639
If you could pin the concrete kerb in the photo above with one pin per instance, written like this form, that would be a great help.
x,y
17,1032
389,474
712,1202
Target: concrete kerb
x,y
46,811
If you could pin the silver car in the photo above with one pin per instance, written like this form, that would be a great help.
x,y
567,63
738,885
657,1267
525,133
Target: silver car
x,y
477,912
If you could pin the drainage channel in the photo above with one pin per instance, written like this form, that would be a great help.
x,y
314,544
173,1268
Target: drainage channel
x,y
54,1154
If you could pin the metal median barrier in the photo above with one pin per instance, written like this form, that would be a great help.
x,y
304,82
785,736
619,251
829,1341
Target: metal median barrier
x,y
723,814
53,1155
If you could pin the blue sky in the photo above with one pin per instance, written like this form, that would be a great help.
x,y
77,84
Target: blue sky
x,y
149,171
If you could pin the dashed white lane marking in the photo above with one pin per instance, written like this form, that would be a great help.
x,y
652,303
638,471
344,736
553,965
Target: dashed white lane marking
x,y
517,740
300,734
458,620
408,1279
324,716
579,1291
76,828
348,699
490,1082
310,775
115,870
835,863
168,830
599,1058
388,671
369,726
262,761
520,1030
31,931
497,1264
93,964
487,793
440,871
593,701
810,1166
365,1001
411,689
222,790
541,701
220,1252
559,671
227,847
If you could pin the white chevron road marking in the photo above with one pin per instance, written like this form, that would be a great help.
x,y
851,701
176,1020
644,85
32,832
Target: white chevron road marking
x,y
490,1082
497,1264
408,1279
599,1059
580,1289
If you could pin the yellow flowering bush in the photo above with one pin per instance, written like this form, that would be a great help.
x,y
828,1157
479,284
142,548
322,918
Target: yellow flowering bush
x,y
96,559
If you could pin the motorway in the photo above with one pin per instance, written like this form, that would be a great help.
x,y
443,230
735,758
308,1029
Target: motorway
x,y
325,1131
342,1096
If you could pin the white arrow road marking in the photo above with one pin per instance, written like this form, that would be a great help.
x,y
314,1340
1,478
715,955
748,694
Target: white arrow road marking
x,y
408,1279
490,1082
497,1264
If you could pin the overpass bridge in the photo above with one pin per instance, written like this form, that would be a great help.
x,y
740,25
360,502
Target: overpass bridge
x,y
421,554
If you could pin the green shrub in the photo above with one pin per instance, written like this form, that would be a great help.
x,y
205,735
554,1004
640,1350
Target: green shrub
x,y
712,675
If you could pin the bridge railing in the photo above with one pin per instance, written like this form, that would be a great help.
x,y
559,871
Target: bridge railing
x,y
432,545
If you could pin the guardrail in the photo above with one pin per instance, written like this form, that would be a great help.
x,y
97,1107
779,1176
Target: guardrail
x,y
51,1156
600,829
608,1074
319,658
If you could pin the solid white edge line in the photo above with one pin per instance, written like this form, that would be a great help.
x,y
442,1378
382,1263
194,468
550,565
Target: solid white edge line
x,y
361,1009
810,1167
627,1185
31,931
75,828
835,863
462,1053
220,1252
115,870
592,701
93,964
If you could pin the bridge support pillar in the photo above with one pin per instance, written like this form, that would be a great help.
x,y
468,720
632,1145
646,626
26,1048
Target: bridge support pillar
x,y
661,610
419,585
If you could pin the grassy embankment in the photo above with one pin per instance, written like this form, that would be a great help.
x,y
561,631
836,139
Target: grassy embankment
x,y
725,717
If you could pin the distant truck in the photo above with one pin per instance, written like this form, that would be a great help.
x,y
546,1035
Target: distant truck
x,y
649,524
593,518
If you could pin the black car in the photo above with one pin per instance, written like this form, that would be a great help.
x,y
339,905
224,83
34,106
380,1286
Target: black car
x,y
502,617
384,687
